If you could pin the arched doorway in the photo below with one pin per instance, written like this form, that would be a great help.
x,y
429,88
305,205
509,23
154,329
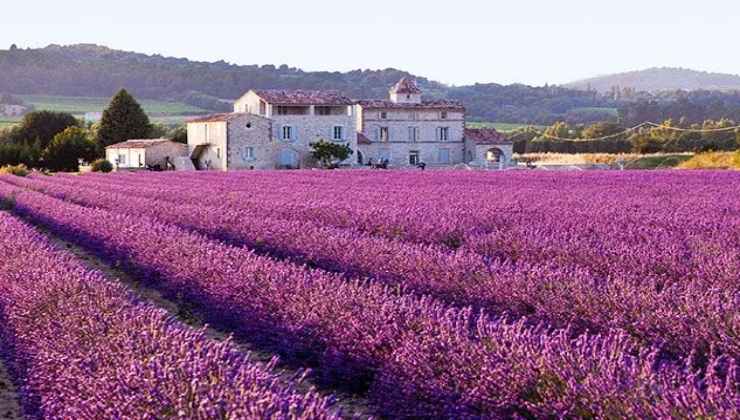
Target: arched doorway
x,y
495,157
288,158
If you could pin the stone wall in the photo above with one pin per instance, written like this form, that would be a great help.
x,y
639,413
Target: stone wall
x,y
213,134
400,143
158,154
312,128
255,132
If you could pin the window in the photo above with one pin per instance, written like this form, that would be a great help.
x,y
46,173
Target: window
x,y
413,134
414,158
141,164
443,115
385,134
263,108
287,133
383,115
338,133
218,153
248,153
246,108
121,159
412,116
443,133
282,110
323,110
443,156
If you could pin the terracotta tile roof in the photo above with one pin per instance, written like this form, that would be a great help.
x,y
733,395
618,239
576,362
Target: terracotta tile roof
x,y
304,97
485,136
436,104
406,86
362,139
138,143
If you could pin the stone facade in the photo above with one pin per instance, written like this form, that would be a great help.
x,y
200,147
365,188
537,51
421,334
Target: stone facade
x,y
400,134
250,144
274,129
303,117
231,141
139,154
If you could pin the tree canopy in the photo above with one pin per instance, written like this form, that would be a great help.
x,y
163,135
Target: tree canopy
x,y
67,148
124,119
329,153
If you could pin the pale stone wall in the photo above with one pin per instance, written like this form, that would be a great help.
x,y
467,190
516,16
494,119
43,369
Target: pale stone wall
x,y
158,154
249,103
400,144
398,153
255,132
130,158
405,98
308,129
141,157
479,153
213,134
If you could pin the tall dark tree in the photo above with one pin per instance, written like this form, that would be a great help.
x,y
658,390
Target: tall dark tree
x,y
123,120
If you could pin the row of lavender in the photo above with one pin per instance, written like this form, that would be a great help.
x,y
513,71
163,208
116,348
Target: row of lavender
x,y
83,347
444,207
423,358
674,285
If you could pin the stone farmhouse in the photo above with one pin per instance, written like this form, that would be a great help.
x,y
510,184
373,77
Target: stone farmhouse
x,y
274,129
146,153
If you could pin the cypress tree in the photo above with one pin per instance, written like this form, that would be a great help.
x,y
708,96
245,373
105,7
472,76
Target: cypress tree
x,y
123,120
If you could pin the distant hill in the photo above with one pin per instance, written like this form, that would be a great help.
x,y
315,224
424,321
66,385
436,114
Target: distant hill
x,y
661,79
87,70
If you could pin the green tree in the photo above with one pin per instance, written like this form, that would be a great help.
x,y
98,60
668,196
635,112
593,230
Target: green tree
x,y
67,148
41,127
559,130
328,153
601,129
123,120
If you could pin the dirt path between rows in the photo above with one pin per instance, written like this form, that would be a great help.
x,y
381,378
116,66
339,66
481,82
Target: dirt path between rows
x,y
9,406
351,405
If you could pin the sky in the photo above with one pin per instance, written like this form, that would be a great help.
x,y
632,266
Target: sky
x,y
457,42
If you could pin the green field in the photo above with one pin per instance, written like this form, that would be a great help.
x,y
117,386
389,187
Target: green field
x,y
7,122
612,112
81,105
504,127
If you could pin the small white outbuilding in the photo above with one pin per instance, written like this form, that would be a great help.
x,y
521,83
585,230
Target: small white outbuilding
x,y
146,153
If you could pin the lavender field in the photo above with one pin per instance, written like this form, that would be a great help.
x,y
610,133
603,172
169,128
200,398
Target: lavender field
x,y
445,294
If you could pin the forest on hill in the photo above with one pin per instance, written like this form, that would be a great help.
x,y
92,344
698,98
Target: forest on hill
x,y
661,79
87,70
96,71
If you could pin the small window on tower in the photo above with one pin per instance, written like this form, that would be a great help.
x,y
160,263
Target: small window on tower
x,y
383,115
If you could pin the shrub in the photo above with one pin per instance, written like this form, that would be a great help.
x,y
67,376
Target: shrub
x,y
101,165
67,149
713,160
17,170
